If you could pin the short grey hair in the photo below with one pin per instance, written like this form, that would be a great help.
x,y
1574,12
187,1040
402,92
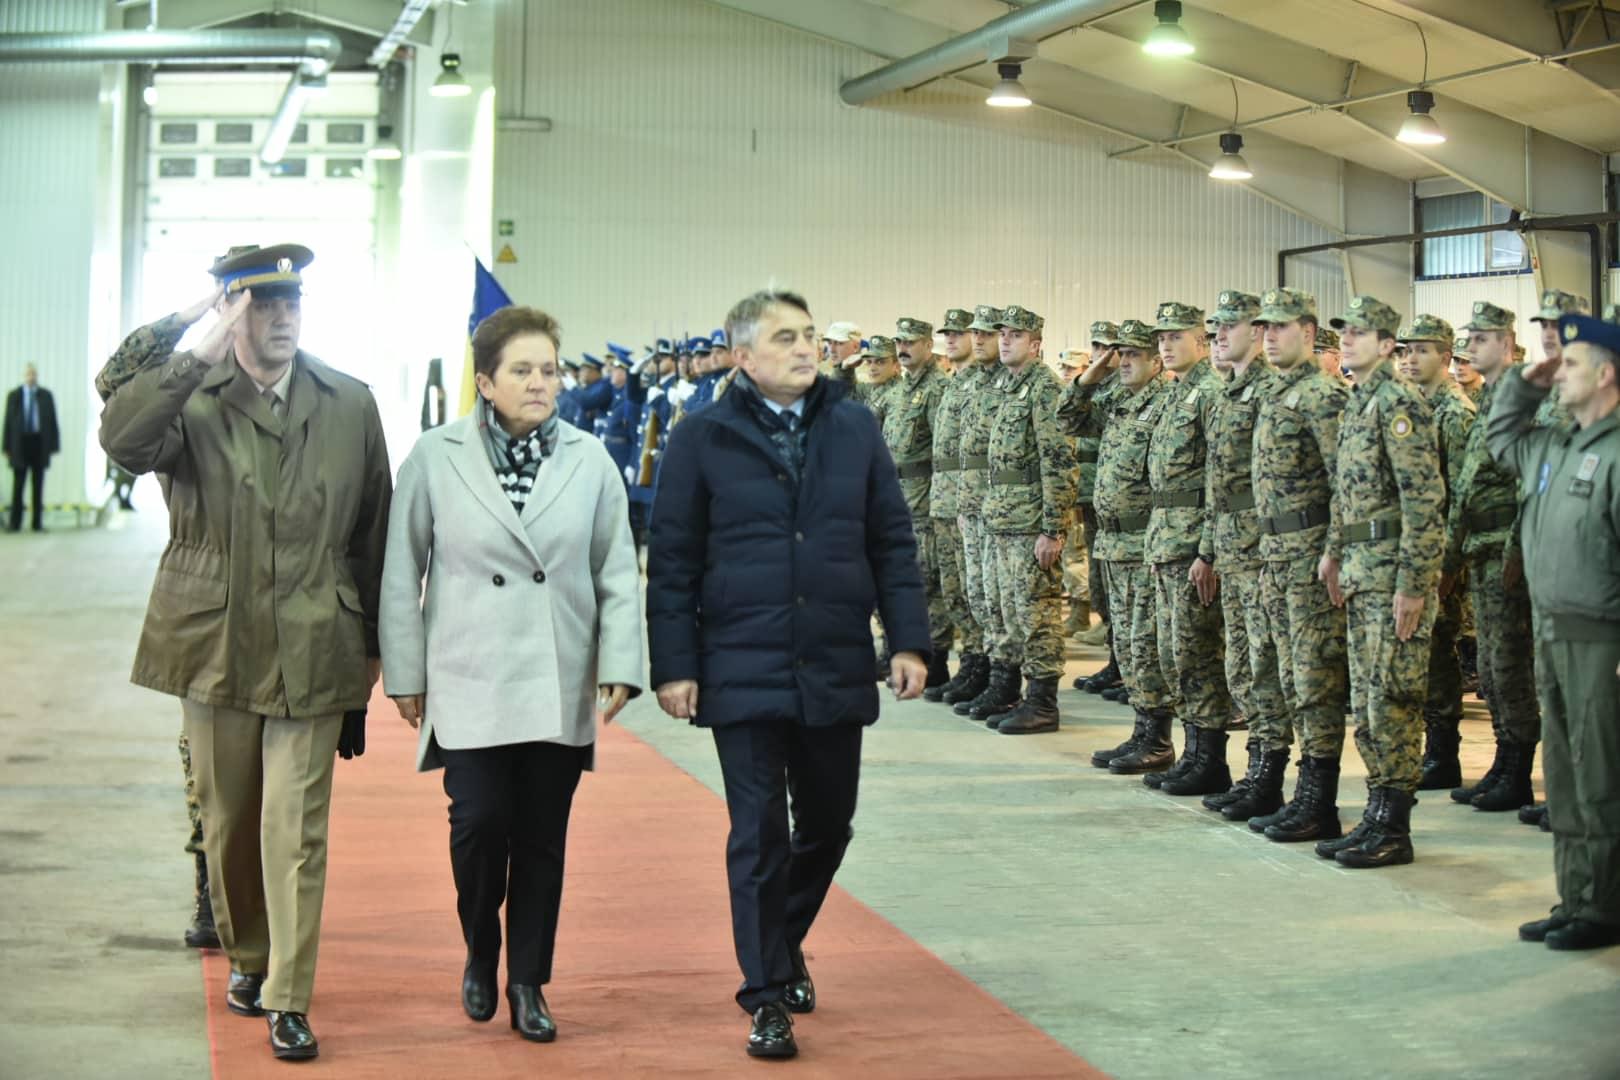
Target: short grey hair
x,y
742,323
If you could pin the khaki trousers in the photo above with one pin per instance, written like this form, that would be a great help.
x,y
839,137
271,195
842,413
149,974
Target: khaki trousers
x,y
265,786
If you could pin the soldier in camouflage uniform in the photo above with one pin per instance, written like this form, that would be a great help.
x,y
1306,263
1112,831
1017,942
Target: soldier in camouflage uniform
x,y
876,392
1328,356
1296,439
1383,563
1472,385
149,346
1027,508
970,381
1123,410
1463,371
1076,559
1104,339
1427,366
1232,547
1191,637
908,429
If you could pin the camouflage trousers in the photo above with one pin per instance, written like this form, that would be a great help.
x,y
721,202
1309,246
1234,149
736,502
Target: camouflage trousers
x,y
1031,604
1076,568
979,578
952,559
1136,635
1388,684
939,615
1095,589
1507,671
1308,632
193,807
1191,647
1445,663
1251,660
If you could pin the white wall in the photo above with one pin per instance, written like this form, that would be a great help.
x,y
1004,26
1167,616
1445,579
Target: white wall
x,y
1453,300
697,154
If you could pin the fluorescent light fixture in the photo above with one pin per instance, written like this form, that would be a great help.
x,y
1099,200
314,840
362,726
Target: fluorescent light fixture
x,y
1230,165
385,148
1009,93
285,121
149,95
1420,128
1168,38
450,83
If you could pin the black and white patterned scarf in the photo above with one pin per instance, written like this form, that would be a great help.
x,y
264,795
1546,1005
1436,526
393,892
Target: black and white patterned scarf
x,y
517,460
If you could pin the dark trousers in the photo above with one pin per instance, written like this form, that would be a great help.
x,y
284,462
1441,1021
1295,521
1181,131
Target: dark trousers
x,y
779,878
30,463
508,832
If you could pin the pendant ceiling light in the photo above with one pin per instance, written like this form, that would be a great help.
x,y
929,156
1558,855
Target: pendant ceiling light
x,y
1230,165
1009,93
450,83
1168,38
1419,128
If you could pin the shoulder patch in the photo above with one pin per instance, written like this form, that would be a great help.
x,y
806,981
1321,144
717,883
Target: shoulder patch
x,y
1292,400
1589,467
1248,392
1192,396
1400,425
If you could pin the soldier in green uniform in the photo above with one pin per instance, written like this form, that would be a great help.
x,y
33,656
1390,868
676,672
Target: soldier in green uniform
x,y
1232,548
1383,564
973,670
1187,616
1123,412
1027,508
1570,487
883,375
1076,560
1296,439
908,428
1104,341
1328,356
1427,366
1468,378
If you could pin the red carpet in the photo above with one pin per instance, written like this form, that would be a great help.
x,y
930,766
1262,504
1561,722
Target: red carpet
x,y
645,971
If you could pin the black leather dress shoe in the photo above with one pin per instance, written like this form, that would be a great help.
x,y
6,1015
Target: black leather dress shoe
x,y
530,1017
242,993
1581,934
800,995
772,1033
290,1037
478,993
1538,930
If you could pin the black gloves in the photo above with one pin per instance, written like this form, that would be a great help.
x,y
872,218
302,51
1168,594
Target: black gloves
x,y
352,740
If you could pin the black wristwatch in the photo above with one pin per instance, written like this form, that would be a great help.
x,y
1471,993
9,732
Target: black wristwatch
x,y
1207,560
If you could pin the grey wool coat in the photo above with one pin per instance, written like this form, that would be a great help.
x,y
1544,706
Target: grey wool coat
x,y
519,619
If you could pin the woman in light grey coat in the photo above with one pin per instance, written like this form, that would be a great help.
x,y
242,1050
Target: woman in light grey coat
x,y
531,609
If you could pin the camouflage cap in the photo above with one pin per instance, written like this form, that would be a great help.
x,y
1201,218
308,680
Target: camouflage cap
x,y
1556,303
878,346
1368,313
1285,305
1104,333
1460,347
1487,316
1428,328
1518,354
1174,316
1136,334
1325,340
912,330
1073,358
956,321
1611,313
985,318
1234,306
1017,318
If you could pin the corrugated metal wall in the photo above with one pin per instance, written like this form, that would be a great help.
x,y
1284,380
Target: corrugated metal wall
x,y
697,154
50,127
1453,300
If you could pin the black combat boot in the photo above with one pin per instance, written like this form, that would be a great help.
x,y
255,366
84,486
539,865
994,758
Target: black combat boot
x,y
974,673
1037,713
1316,813
1119,695
1468,658
1189,747
1535,814
1441,769
1264,797
1155,752
994,685
939,669
1209,772
202,934
993,717
1512,789
1389,836
1000,694
1239,789
1105,679
1486,782
1139,732
1356,836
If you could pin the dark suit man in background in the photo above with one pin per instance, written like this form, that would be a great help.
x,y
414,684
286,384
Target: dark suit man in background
x,y
31,437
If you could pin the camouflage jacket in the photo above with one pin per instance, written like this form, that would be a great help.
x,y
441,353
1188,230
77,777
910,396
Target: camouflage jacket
x,y
1296,440
1454,416
908,428
1088,443
1179,525
1233,540
1122,497
1031,474
875,396
1388,474
960,391
973,482
146,346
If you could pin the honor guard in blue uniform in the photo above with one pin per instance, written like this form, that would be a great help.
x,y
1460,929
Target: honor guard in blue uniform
x,y
616,426
594,395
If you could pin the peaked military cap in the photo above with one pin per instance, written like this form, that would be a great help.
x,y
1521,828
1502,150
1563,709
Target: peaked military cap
x,y
1428,328
1460,347
618,350
1073,357
570,365
1556,303
1136,334
912,330
985,319
1285,306
957,320
1325,340
586,360
1578,327
1018,318
1368,313
1104,333
842,332
878,346
663,347
718,340
1175,316
700,346
1235,306
267,270
1487,316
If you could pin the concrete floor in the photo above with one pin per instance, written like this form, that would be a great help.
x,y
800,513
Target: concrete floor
x,y
1150,936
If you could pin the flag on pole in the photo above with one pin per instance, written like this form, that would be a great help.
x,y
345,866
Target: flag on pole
x,y
488,298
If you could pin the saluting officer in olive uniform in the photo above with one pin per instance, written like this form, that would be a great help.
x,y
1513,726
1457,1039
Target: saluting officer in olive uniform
x,y
878,392
1570,477
1104,340
1383,563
